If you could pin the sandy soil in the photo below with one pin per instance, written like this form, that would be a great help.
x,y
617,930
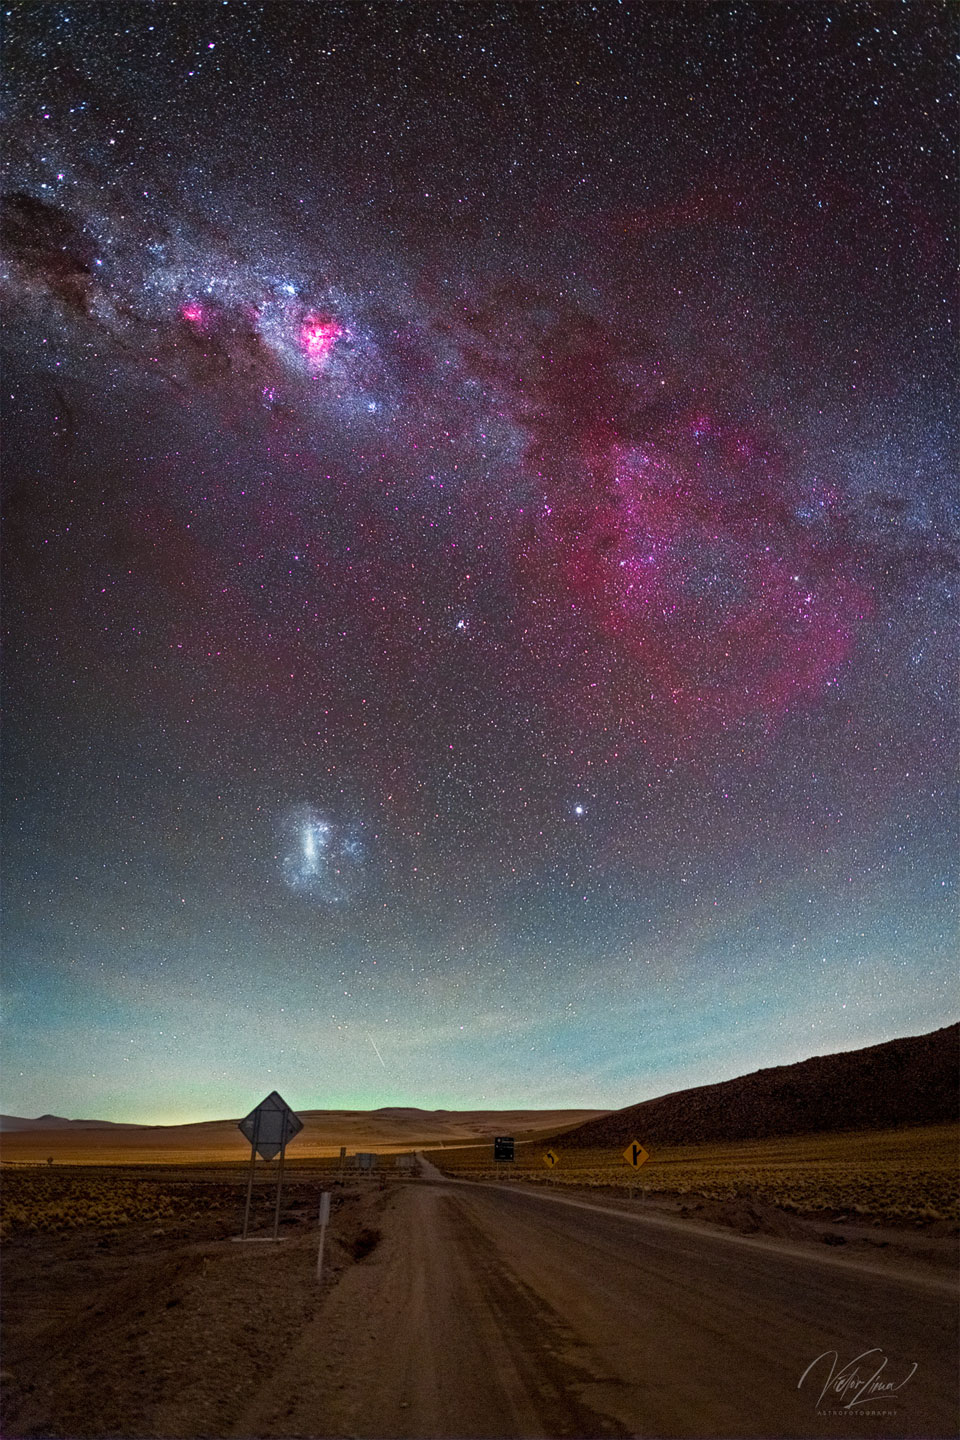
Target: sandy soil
x,y
459,1309
173,1330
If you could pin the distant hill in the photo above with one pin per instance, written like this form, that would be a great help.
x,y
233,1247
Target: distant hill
x,y
913,1081
57,1122
452,1122
390,1129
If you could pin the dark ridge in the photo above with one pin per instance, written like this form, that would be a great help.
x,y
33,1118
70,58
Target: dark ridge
x,y
911,1081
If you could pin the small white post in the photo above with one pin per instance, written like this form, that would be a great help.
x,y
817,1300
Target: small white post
x,y
324,1217
276,1213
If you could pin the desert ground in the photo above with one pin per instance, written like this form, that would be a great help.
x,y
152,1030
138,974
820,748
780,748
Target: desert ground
x,y
904,1176
464,1301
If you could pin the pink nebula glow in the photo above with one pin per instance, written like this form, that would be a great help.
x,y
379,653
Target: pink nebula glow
x,y
712,608
318,335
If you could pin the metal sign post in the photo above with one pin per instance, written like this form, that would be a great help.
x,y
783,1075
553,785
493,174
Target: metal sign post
x,y
253,1161
268,1128
343,1161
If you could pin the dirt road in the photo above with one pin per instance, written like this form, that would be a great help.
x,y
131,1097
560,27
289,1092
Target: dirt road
x,y
495,1312
459,1309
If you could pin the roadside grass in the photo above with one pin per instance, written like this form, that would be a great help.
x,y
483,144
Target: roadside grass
x,y
40,1199
900,1175
34,1202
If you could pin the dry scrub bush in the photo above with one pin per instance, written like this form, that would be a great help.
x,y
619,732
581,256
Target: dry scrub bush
x,y
35,1201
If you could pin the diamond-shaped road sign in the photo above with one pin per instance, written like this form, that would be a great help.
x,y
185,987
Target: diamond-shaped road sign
x,y
635,1154
551,1158
271,1125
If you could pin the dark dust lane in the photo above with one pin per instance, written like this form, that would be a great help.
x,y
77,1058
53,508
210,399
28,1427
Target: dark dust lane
x,y
491,1313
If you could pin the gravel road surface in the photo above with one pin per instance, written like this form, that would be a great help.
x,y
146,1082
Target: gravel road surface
x,y
494,1311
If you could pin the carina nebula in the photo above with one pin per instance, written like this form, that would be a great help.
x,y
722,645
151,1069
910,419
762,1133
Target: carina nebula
x,y
480,543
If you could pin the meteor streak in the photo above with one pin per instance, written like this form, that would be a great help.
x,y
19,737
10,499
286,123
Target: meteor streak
x,y
374,1044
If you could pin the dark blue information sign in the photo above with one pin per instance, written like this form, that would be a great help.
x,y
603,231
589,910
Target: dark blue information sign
x,y
503,1147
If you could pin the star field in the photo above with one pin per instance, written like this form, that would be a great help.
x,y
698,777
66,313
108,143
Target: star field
x,y
480,520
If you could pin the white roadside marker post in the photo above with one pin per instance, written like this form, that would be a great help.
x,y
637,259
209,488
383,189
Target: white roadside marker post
x,y
324,1217
276,1212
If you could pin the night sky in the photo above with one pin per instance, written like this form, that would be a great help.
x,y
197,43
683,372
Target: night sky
x,y
479,548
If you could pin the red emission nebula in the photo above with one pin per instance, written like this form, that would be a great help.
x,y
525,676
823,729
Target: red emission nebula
x,y
714,612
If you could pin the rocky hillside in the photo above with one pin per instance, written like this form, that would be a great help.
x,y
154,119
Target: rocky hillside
x,y
913,1081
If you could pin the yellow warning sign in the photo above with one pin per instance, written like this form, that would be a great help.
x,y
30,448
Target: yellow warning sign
x,y
551,1158
635,1154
